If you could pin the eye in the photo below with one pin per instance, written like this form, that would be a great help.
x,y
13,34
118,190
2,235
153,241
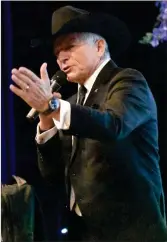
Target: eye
x,y
69,47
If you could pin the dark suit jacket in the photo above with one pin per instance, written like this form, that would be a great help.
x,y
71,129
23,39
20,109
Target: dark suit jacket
x,y
115,167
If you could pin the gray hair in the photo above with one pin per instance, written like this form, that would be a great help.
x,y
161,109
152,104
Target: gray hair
x,y
91,38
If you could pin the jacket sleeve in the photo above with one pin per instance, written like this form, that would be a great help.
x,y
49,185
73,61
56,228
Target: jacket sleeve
x,y
50,160
127,106
53,155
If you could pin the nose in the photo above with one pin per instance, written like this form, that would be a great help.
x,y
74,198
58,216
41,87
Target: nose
x,y
63,56
62,60
63,65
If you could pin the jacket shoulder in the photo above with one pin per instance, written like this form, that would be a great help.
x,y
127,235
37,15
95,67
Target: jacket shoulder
x,y
130,73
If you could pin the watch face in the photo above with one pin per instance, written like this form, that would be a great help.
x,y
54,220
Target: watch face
x,y
54,103
53,106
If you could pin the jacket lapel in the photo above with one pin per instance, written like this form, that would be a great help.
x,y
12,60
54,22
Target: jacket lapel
x,y
102,79
73,99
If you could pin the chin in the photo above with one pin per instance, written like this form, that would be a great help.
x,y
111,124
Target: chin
x,y
71,77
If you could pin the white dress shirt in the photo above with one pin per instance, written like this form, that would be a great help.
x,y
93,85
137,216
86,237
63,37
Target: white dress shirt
x,y
64,123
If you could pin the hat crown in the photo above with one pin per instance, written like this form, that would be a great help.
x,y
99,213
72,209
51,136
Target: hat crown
x,y
65,14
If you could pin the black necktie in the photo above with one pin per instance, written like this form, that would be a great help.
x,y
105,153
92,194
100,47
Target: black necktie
x,y
81,97
81,93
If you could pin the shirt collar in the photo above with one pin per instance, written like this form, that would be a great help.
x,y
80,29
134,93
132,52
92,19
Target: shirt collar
x,y
90,81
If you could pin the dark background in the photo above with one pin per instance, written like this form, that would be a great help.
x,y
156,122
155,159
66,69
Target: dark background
x,y
24,21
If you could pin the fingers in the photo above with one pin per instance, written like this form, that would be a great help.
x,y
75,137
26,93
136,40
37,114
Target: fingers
x,y
16,90
44,72
57,94
21,80
29,74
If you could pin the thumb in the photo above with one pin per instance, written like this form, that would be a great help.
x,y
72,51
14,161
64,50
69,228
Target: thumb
x,y
57,95
44,72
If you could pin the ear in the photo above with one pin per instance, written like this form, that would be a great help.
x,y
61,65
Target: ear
x,y
100,47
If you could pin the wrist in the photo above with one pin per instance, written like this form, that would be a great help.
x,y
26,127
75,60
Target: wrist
x,y
52,106
46,122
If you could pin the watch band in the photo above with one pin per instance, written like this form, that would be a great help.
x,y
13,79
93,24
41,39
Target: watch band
x,y
48,111
53,106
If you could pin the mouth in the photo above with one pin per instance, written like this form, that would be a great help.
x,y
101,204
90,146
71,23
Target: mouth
x,y
66,69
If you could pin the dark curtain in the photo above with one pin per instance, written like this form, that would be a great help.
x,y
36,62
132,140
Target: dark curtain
x,y
7,126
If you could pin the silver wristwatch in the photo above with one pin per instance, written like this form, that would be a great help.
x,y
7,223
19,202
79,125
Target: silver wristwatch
x,y
54,105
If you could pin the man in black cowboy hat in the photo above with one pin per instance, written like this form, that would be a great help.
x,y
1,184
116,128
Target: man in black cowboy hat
x,y
105,138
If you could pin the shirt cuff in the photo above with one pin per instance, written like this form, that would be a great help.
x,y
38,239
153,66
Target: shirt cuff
x,y
45,136
65,116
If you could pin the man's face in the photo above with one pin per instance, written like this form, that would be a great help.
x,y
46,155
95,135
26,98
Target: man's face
x,y
76,58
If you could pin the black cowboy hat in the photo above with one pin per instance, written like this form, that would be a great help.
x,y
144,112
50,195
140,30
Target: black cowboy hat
x,y
68,19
